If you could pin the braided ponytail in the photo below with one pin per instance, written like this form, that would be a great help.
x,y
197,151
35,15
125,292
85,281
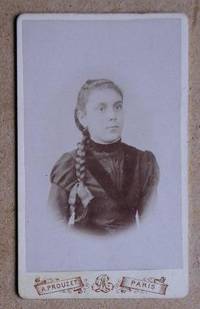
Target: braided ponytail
x,y
80,188
80,158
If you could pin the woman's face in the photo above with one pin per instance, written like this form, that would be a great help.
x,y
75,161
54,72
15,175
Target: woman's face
x,y
103,116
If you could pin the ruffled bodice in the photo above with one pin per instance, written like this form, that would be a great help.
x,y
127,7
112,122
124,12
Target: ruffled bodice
x,y
133,172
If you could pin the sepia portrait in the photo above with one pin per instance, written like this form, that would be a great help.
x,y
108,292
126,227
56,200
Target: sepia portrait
x,y
105,183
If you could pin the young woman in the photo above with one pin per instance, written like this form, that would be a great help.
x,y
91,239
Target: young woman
x,y
105,183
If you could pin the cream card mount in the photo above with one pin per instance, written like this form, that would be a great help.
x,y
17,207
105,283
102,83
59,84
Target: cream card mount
x,y
102,155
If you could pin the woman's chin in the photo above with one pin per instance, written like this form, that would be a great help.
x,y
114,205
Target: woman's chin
x,y
111,139
108,138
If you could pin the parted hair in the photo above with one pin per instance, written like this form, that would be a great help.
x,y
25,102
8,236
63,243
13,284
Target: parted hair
x,y
82,99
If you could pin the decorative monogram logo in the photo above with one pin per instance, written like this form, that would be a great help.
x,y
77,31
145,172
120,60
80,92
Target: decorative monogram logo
x,y
103,284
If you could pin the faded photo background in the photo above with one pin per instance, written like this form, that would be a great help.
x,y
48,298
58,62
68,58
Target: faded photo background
x,y
142,56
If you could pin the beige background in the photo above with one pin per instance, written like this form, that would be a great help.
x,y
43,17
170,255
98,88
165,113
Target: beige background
x,y
8,275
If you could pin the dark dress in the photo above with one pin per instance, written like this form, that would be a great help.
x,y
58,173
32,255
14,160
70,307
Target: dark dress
x,y
134,174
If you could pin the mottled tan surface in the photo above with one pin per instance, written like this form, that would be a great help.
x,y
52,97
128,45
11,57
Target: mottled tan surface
x,y
8,11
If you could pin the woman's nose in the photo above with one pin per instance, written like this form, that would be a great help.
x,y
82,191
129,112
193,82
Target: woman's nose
x,y
111,114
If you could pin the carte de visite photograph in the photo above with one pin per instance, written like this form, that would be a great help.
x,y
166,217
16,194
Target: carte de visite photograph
x,y
102,116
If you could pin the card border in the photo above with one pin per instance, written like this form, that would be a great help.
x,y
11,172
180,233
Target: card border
x,y
175,278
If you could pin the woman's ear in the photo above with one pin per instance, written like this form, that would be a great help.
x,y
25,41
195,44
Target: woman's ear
x,y
82,118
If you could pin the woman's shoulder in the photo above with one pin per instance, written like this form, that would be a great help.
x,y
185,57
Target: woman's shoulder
x,y
145,154
146,164
63,171
145,158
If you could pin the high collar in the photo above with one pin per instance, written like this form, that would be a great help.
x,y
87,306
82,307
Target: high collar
x,y
105,147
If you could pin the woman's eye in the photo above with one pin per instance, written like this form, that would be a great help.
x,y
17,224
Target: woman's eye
x,y
118,107
101,108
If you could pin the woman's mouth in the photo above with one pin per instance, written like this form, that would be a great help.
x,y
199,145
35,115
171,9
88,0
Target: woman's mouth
x,y
112,127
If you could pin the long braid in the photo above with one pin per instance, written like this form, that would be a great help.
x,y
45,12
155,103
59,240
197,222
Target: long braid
x,y
80,174
80,158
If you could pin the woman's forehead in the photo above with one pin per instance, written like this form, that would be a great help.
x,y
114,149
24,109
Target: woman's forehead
x,y
106,95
